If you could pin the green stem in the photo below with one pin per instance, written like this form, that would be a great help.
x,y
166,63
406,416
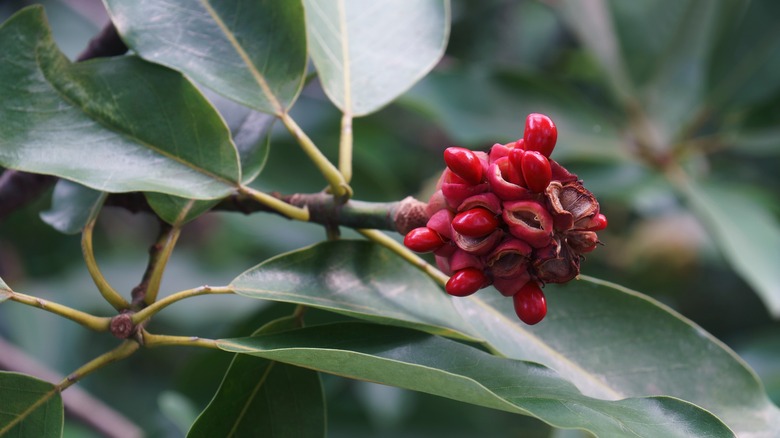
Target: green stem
x,y
338,185
92,322
148,312
108,292
291,211
161,252
345,147
152,340
125,349
405,253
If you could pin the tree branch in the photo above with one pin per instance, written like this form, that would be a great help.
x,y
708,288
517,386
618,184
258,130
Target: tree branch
x,y
399,216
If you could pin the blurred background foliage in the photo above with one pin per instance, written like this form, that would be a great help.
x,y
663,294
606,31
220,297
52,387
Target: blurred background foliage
x,y
632,86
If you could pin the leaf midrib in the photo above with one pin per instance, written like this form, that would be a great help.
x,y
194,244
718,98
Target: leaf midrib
x,y
256,75
118,129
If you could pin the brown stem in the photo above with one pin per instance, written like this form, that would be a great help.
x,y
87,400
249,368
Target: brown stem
x,y
399,216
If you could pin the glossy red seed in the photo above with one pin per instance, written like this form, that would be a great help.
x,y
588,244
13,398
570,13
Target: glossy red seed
x,y
530,304
536,171
464,163
476,222
423,239
540,134
598,223
465,282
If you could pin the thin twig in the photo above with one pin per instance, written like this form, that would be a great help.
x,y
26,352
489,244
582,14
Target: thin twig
x,y
146,313
92,322
152,340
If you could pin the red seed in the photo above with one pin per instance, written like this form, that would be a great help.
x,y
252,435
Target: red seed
x,y
464,163
598,223
540,134
465,282
530,304
423,239
476,222
536,171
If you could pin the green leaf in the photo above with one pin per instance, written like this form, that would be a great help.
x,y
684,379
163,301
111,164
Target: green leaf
x,y
251,132
748,236
71,205
260,397
355,278
667,48
30,407
253,52
369,53
115,125
422,362
614,343
176,210
476,107
592,23
746,59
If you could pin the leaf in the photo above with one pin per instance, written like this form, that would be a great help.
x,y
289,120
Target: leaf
x,y
355,278
614,343
253,52
477,108
369,53
176,210
114,125
746,58
668,48
30,407
747,234
71,205
592,23
260,397
5,291
422,362
251,134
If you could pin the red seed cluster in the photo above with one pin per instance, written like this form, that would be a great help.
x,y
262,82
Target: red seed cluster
x,y
512,218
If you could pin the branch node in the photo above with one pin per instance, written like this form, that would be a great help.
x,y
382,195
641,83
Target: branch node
x,y
122,326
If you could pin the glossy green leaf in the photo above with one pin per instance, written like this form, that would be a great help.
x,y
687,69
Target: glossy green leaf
x,y
251,51
260,397
29,407
115,125
369,53
71,204
423,362
355,278
747,233
614,343
251,134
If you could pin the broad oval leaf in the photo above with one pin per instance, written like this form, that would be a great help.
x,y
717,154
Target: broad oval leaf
x,y
71,205
251,134
355,278
367,53
114,125
31,408
747,233
251,51
261,397
423,362
614,343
